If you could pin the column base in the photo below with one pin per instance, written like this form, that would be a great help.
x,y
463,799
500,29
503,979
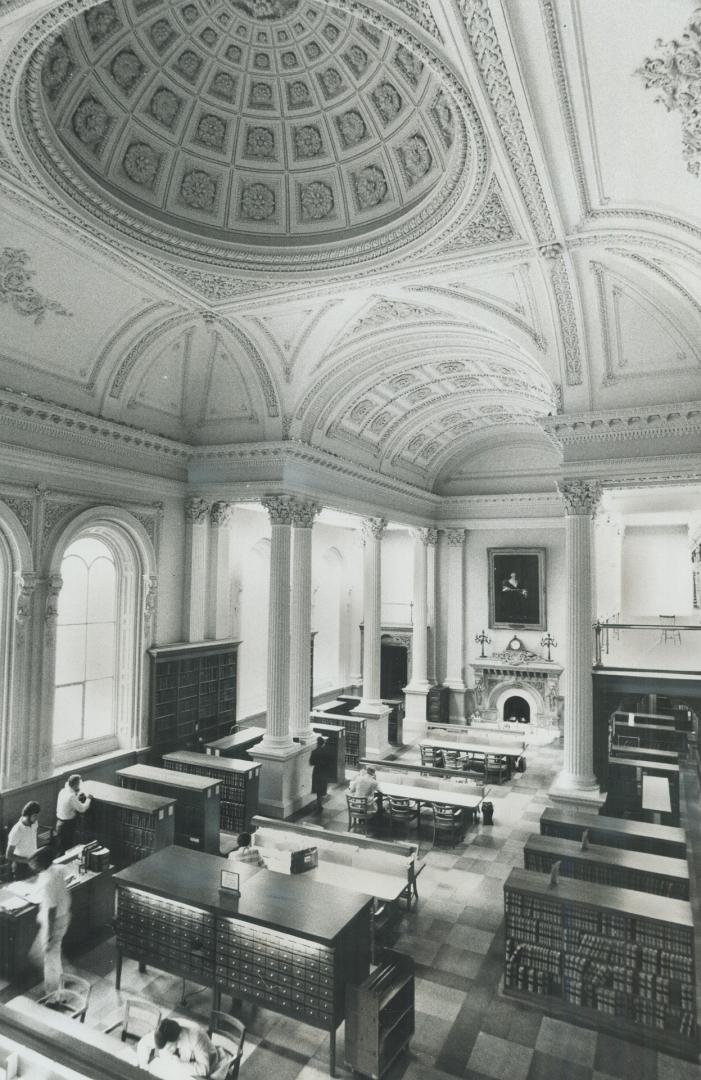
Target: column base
x,y
415,706
577,791
456,707
377,744
285,779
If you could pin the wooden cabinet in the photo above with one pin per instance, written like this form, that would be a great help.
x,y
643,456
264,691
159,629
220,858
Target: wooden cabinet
x,y
238,794
196,802
438,705
132,824
380,1016
622,960
193,693
395,721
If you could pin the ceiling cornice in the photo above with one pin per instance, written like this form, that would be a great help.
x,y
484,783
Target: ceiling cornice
x,y
660,421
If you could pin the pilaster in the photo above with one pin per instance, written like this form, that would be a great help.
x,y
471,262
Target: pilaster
x,y
277,735
455,635
195,585
303,514
219,613
415,693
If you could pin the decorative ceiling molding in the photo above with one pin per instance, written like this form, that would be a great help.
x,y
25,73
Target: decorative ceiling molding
x,y
16,290
661,421
568,321
655,268
420,12
383,311
490,225
458,291
674,74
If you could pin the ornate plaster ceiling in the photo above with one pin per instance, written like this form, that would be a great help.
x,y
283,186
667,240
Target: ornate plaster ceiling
x,y
254,123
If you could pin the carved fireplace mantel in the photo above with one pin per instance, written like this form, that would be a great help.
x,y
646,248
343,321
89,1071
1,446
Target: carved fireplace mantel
x,y
521,672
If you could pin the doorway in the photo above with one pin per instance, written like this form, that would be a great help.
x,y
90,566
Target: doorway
x,y
393,670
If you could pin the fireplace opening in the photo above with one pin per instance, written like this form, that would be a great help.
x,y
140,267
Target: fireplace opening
x,y
517,710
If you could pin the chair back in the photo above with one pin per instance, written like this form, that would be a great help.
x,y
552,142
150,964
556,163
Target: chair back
x,y
74,994
401,808
358,804
452,759
140,1017
227,1032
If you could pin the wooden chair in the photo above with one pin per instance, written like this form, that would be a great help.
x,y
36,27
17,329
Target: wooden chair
x,y
448,821
71,998
140,1017
402,812
228,1033
361,810
427,755
452,759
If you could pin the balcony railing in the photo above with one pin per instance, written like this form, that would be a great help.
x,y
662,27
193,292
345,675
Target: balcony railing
x,y
661,643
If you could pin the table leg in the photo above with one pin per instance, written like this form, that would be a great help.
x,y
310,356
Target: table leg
x,y
118,972
332,1052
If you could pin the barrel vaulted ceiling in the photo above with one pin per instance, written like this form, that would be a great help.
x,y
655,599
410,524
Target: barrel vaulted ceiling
x,y
399,232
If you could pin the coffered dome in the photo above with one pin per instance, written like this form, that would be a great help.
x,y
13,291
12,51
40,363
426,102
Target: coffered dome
x,y
274,123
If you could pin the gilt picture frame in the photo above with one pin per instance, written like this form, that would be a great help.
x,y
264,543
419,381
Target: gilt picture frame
x,y
516,588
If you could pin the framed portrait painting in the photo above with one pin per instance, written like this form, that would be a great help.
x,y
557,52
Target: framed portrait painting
x,y
517,588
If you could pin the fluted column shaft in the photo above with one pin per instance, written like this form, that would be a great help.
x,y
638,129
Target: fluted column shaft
x,y
278,690
303,514
419,668
580,498
196,551
431,602
455,644
373,530
219,613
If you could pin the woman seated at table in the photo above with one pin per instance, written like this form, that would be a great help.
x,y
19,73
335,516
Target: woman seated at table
x,y
244,852
196,1053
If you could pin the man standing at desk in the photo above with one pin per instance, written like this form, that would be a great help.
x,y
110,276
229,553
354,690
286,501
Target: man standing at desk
x,y
54,902
71,802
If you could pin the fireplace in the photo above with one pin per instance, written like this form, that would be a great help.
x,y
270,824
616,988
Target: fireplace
x,y
516,710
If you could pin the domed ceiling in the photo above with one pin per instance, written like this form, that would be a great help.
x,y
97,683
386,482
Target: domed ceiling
x,y
274,123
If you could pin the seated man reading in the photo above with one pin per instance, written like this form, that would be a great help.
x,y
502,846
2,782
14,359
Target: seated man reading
x,y
365,785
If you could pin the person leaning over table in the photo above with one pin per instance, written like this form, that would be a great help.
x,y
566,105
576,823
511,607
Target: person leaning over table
x,y
244,852
189,1044
71,802
22,841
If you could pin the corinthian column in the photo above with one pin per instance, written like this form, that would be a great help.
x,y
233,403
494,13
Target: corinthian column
x,y
455,653
195,590
303,514
219,606
431,541
415,693
278,690
576,782
373,531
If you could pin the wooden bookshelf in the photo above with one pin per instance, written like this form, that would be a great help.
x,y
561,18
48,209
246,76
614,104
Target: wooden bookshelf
x,y
438,705
193,693
380,1016
623,959
196,802
601,865
615,832
132,824
238,794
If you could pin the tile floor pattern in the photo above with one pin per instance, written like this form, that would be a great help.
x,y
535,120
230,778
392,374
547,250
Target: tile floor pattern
x,y
464,1027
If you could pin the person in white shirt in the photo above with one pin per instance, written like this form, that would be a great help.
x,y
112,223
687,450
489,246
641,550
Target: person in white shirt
x,y
365,784
22,841
71,802
54,902
244,852
190,1044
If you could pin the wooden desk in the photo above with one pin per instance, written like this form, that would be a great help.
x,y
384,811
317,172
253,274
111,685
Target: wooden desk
x,y
236,745
656,795
287,943
387,887
428,796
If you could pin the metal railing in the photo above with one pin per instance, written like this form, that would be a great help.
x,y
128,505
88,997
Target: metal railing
x,y
664,644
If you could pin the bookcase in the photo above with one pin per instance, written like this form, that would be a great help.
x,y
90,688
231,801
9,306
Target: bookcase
x,y
132,824
609,866
193,693
196,802
651,736
336,736
380,1016
615,832
438,705
356,739
624,959
395,721
238,794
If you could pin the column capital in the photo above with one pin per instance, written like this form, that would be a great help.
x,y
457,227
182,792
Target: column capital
x,y
303,512
279,509
221,513
196,510
374,528
455,537
580,496
424,536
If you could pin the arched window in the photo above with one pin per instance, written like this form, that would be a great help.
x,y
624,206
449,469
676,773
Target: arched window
x,y
85,702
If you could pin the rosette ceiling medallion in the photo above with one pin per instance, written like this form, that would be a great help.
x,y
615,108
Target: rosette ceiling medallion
x,y
273,134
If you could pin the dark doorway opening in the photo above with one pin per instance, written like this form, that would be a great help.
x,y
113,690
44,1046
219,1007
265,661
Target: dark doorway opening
x,y
517,709
393,670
